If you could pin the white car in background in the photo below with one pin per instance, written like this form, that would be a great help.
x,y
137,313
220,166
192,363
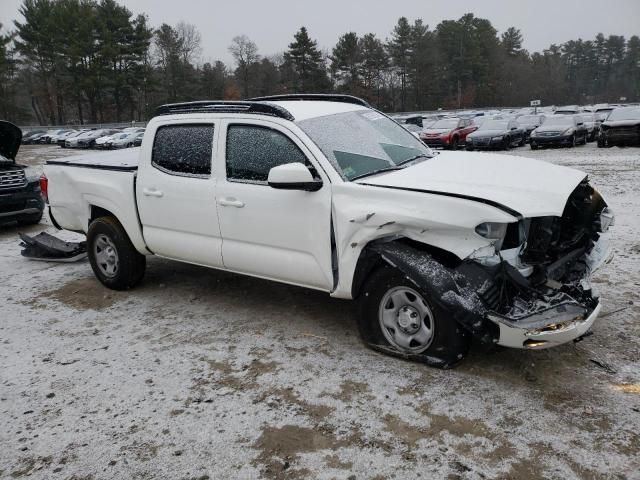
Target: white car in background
x,y
124,140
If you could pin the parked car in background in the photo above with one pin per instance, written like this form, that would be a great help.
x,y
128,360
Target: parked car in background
x,y
20,193
33,137
529,123
127,140
102,142
62,140
72,142
496,134
621,128
559,130
61,136
591,123
89,139
568,110
448,132
47,137
602,111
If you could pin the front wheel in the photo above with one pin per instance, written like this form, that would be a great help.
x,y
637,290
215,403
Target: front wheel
x,y
398,319
114,260
454,143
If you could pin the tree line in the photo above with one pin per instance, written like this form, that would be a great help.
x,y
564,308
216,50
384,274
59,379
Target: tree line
x,y
90,61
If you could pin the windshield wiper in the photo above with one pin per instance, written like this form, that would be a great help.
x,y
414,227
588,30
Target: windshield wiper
x,y
375,172
408,160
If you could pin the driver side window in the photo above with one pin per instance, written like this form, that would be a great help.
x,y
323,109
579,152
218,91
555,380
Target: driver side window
x,y
254,150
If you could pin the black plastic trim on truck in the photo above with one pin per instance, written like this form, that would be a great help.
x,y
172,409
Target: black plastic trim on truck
x,y
498,205
221,106
114,168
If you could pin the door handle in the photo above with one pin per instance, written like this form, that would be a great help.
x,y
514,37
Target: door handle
x,y
230,202
152,192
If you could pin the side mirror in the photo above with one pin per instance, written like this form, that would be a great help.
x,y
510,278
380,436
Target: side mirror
x,y
580,123
514,128
293,176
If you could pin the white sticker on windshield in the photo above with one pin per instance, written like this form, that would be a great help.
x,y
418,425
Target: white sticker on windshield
x,y
372,116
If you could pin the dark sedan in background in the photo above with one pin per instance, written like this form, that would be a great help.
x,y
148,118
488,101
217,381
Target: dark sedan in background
x,y
496,134
529,123
621,128
559,130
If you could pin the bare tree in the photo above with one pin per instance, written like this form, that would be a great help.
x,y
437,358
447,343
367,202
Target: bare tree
x,y
245,53
190,42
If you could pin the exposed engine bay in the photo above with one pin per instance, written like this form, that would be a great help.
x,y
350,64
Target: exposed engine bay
x,y
535,292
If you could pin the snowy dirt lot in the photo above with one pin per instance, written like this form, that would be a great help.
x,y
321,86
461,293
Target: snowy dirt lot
x,y
200,374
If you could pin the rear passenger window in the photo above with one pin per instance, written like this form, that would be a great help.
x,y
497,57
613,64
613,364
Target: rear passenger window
x,y
252,151
183,149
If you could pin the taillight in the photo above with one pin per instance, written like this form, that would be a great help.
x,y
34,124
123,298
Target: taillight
x,y
44,187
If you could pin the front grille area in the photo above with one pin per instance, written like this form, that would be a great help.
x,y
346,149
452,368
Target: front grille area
x,y
12,179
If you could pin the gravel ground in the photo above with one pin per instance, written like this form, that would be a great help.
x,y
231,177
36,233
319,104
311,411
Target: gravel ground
x,y
203,374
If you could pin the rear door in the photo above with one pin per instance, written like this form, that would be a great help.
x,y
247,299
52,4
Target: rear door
x,y
283,235
176,189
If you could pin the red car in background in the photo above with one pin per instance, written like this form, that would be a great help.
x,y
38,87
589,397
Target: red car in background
x,y
448,132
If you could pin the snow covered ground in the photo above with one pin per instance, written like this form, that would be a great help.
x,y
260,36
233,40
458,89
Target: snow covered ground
x,y
203,374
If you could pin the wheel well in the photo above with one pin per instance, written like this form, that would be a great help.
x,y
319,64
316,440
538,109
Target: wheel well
x,y
370,261
97,212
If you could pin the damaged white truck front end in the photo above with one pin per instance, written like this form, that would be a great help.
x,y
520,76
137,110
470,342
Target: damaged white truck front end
x,y
511,263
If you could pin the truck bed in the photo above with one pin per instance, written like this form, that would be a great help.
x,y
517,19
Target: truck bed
x,y
104,181
118,160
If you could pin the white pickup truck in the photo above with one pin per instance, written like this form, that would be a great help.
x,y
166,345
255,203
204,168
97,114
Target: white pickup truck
x,y
327,193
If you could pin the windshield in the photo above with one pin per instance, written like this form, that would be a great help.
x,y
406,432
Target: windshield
x,y
363,142
625,114
494,125
559,120
446,123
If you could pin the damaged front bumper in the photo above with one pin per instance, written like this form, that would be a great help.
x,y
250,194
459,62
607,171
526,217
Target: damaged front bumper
x,y
552,327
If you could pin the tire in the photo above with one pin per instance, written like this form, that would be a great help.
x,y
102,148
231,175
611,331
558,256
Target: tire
x,y
533,146
454,143
447,343
523,141
121,266
31,219
573,141
506,143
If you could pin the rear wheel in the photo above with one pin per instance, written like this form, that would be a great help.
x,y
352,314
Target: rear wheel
x,y
395,317
114,260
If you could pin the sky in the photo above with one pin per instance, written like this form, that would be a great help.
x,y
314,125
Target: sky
x,y
272,23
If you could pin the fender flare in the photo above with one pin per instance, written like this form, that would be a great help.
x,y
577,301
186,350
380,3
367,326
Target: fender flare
x,y
458,290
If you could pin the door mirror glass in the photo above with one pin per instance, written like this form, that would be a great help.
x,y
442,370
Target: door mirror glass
x,y
293,176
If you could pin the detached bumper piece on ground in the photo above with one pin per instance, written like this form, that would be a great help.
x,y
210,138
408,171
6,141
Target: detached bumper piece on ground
x,y
48,248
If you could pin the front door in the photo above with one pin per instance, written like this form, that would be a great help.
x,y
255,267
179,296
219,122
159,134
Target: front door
x,y
283,235
176,194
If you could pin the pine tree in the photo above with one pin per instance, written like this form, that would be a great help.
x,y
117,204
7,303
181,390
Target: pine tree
x,y
347,62
304,67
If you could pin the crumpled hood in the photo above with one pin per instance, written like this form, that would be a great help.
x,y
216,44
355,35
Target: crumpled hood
x,y
10,138
532,188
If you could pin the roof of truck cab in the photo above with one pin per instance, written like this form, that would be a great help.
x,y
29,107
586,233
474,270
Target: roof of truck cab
x,y
305,109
